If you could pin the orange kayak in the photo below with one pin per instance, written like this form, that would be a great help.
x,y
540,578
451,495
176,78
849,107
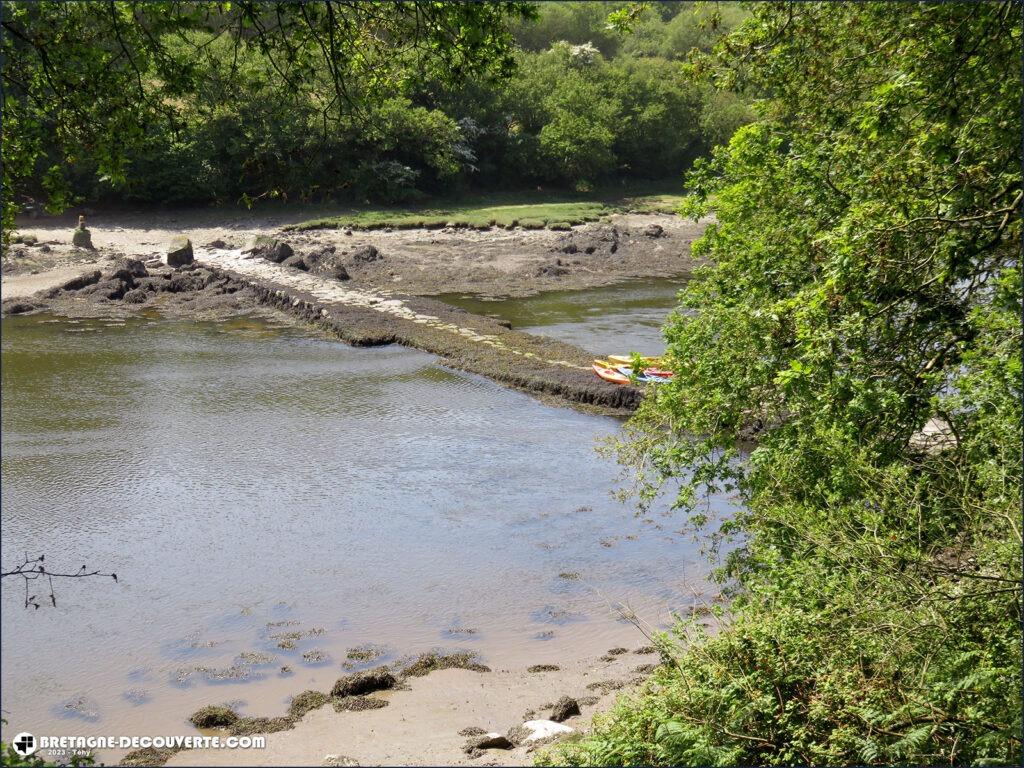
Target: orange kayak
x,y
609,374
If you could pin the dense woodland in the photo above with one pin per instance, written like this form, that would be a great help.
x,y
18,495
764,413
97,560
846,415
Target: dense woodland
x,y
863,162
564,101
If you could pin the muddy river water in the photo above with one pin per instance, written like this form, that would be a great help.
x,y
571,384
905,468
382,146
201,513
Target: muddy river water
x,y
270,498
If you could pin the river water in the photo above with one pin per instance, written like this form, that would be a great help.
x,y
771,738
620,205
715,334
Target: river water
x,y
256,485
617,319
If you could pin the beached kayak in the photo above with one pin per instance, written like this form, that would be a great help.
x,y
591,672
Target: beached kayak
x,y
628,360
661,373
623,375
610,374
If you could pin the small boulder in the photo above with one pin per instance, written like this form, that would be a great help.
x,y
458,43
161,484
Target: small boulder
x,y
16,307
654,230
544,729
179,252
135,296
551,270
295,262
82,238
131,267
217,244
487,741
113,289
270,249
364,682
128,269
340,273
564,708
214,717
365,254
317,255
77,283
342,760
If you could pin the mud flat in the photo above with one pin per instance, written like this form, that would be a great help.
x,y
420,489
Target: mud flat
x,y
488,262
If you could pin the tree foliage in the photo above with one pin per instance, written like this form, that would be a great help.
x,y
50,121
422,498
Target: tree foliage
x,y
861,316
186,103
85,83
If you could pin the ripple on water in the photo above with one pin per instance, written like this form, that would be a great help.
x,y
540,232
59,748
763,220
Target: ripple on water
x,y
245,488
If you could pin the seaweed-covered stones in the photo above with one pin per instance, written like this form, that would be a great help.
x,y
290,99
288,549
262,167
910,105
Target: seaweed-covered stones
x,y
213,716
487,741
295,262
564,708
543,668
305,702
179,252
135,296
149,756
431,662
365,254
472,730
342,760
247,726
127,268
17,307
271,249
80,282
357,703
367,681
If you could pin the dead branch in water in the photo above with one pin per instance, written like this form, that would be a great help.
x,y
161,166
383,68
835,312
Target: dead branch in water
x,y
30,570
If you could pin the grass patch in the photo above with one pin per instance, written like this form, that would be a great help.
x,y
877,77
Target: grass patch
x,y
475,216
530,210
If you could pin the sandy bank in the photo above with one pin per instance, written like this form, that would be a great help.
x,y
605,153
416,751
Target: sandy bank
x,y
420,726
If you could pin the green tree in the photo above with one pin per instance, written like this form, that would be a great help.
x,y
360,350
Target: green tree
x,y
86,82
860,316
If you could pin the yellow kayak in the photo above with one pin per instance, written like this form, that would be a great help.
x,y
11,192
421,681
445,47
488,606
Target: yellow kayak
x,y
628,360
